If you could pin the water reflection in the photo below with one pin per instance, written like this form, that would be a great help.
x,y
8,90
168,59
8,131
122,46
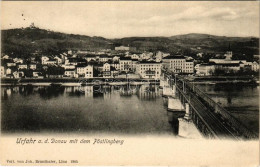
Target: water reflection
x,y
102,108
50,92
143,92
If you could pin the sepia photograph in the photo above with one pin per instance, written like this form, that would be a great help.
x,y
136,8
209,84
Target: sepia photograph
x,y
173,83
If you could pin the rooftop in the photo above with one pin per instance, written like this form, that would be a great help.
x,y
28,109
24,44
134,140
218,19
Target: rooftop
x,y
174,57
70,70
103,56
81,65
125,58
149,62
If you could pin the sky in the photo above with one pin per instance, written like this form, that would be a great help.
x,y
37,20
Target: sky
x,y
119,19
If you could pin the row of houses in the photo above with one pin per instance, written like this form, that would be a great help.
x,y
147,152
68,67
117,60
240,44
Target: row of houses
x,y
82,65
225,64
89,65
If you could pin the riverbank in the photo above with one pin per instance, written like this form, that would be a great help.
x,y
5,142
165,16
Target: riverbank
x,y
224,80
122,81
227,82
76,81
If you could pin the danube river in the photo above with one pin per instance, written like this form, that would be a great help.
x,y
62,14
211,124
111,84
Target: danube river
x,y
242,101
111,109
88,109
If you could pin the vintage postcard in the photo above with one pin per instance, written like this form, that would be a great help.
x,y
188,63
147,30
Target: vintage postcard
x,y
129,83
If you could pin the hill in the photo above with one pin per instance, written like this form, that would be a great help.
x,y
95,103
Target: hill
x,y
23,42
219,44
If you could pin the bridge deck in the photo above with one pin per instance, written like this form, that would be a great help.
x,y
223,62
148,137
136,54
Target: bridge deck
x,y
209,118
219,122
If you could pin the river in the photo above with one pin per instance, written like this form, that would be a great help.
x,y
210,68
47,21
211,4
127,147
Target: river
x,y
88,109
242,101
111,109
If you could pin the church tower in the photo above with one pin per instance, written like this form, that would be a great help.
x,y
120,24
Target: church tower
x,y
229,53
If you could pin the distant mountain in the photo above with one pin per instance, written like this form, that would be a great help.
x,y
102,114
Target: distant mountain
x,y
23,42
211,43
194,43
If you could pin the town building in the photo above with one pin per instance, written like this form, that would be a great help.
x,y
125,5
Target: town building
x,y
44,59
48,61
255,66
114,72
89,72
106,67
37,74
134,63
58,59
70,73
134,56
178,64
10,70
210,68
104,58
75,61
68,66
228,59
205,69
5,57
11,64
115,58
125,64
160,55
22,66
18,60
146,55
18,74
84,71
81,70
122,48
33,66
2,71
90,57
228,67
148,69
189,67
116,65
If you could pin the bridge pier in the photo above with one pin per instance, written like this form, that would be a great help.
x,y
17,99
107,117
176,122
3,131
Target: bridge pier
x,y
173,120
167,91
187,115
197,121
174,90
161,83
174,104
187,128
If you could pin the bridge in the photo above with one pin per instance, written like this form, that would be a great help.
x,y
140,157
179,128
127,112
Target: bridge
x,y
209,118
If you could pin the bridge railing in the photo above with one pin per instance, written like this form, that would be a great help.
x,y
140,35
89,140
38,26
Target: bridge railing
x,y
239,127
234,123
211,131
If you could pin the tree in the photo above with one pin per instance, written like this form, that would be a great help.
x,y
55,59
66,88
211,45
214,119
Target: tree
x,y
28,72
55,70
95,72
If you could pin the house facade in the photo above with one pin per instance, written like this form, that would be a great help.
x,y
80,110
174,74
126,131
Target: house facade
x,y
151,70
